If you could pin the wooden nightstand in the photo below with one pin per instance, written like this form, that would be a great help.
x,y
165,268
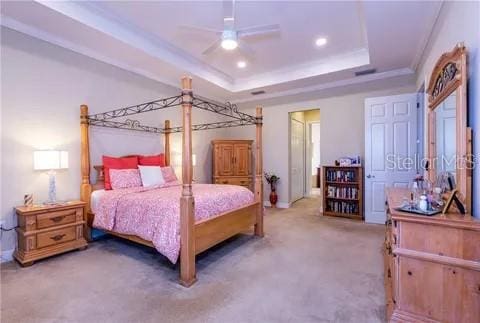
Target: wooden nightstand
x,y
45,231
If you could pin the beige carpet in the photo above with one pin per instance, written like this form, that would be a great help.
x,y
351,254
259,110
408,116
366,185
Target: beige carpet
x,y
307,269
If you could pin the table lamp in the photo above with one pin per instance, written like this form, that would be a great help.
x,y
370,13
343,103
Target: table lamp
x,y
50,160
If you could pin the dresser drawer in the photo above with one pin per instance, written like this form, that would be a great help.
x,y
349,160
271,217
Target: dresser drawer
x,y
52,219
234,181
54,237
440,240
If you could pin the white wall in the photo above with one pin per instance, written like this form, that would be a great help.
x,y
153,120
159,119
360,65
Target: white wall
x,y
42,88
341,131
459,22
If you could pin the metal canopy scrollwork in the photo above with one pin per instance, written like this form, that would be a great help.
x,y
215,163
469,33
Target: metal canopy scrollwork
x,y
127,125
214,125
139,108
228,110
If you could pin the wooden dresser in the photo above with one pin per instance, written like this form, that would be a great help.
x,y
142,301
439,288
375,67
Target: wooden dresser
x,y
45,231
232,162
432,265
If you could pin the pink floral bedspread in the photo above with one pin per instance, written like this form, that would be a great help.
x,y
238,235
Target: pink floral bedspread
x,y
153,214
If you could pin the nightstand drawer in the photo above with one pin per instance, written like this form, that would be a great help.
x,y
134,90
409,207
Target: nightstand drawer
x,y
52,219
54,237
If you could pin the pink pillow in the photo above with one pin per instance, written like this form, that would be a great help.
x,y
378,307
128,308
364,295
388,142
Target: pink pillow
x,y
125,178
169,174
117,163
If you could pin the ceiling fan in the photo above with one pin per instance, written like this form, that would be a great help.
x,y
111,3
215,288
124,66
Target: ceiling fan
x,y
230,37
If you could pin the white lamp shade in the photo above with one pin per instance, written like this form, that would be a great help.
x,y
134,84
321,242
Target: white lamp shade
x,y
50,159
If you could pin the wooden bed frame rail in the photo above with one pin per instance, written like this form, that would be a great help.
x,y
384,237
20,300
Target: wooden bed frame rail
x,y
195,237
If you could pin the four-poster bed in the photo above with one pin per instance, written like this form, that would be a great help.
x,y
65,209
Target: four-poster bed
x,y
195,236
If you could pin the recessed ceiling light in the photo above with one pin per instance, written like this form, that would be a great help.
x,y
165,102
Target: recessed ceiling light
x,y
320,41
241,64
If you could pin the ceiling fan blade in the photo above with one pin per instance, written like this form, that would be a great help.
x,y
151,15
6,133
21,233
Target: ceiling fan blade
x,y
200,29
212,47
258,30
246,50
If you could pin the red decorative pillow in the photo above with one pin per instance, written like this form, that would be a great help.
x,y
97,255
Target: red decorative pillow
x,y
117,163
156,160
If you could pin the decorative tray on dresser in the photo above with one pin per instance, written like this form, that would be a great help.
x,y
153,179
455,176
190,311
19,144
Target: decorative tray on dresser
x,y
48,230
432,265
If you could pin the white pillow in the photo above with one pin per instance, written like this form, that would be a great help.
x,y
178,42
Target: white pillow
x,y
151,175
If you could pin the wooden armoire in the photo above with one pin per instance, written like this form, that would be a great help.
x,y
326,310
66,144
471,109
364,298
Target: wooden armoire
x,y
232,162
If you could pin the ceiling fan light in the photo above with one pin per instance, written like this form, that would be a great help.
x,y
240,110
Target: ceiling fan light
x,y
229,44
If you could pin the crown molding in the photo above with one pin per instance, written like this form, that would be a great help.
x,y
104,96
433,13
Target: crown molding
x,y
327,65
97,18
13,24
100,20
16,25
94,16
331,85
420,52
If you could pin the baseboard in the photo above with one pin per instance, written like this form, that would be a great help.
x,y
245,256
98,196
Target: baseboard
x,y
6,255
280,205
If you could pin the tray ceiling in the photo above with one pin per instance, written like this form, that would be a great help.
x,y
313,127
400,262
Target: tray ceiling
x,y
146,38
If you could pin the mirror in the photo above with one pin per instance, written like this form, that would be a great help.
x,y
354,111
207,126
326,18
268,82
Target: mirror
x,y
449,138
445,135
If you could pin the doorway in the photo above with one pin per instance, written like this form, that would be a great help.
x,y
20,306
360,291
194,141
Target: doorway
x,y
314,166
390,149
304,148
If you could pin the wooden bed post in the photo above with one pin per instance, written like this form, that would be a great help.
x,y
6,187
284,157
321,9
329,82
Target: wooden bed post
x,y
187,219
259,173
85,187
167,143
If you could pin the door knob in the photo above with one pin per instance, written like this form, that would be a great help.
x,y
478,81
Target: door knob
x,y
370,176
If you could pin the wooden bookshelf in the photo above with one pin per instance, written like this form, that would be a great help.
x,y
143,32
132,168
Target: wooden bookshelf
x,y
343,191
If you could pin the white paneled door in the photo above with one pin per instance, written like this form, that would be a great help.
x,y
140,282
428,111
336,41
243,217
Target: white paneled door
x,y
297,159
390,149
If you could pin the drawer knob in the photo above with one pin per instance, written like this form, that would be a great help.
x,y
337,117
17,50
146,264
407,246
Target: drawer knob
x,y
409,273
58,237
58,218
225,182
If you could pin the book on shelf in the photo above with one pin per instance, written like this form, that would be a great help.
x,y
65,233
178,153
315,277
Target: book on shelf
x,y
340,175
342,207
342,192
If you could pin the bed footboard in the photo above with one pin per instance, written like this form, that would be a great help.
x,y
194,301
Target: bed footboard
x,y
215,230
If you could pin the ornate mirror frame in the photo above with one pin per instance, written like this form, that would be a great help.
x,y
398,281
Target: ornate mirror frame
x,y
450,75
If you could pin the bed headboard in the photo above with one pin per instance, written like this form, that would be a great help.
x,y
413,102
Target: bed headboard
x,y
100,173
86,187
